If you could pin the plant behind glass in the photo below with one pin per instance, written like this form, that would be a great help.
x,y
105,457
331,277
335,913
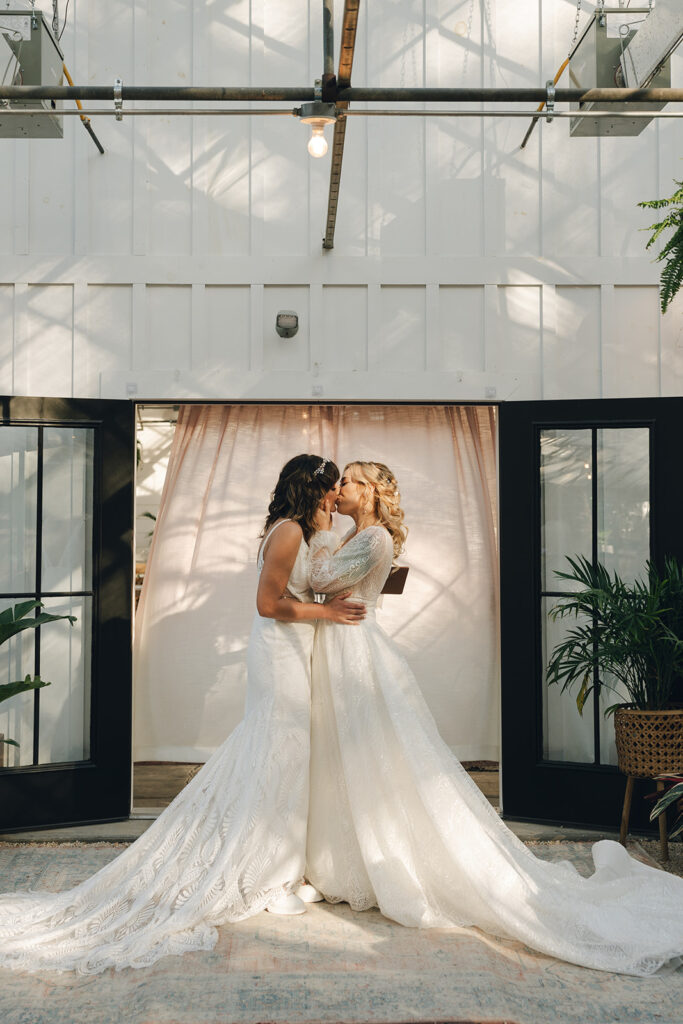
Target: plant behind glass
x,y
632,632
13,621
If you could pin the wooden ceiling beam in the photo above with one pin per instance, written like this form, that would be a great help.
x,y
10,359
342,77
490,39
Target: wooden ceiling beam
x,y
346,53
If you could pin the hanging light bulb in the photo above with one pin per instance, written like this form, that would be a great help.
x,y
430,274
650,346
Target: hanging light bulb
x,y
318,115
317,144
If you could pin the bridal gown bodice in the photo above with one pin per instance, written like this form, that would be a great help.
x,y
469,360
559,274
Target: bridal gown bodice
x,y
396,822
230,843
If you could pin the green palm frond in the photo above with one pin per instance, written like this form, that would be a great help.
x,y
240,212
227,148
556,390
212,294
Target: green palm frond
x,y
627,637
672,252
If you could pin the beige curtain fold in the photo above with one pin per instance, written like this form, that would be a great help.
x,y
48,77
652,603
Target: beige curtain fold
x,y
197,604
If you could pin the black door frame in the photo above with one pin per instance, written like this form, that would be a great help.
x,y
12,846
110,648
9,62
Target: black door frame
x,y
533,788
96,789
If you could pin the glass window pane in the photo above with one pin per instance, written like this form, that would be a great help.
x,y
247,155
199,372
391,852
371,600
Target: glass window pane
x,y
18,489
567,735
566,501
16,714
67,508
65,661
624,499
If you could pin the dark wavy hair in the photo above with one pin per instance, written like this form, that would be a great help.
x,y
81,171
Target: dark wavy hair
x,y
299,491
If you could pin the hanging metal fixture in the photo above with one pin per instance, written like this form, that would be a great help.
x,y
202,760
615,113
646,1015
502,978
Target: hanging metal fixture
x,y
318,115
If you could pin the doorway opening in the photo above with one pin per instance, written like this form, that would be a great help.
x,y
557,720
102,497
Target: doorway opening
x,y
199,555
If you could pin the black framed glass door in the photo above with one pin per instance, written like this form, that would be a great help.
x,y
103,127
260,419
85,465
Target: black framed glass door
x,y
600,479
66,516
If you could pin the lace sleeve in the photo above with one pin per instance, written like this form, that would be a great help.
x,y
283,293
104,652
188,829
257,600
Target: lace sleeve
x,y
332,573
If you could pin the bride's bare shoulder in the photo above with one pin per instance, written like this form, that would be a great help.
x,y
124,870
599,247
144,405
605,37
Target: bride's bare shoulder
x,y
283,534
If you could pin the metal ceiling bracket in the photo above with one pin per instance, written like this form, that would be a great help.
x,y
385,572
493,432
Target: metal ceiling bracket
x,y
550,100
310,113
118,98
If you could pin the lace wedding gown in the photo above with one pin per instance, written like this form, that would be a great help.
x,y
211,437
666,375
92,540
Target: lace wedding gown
x,y
230,843
396,822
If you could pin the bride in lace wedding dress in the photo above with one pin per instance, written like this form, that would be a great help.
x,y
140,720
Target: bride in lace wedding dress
x,y
233,841
395,821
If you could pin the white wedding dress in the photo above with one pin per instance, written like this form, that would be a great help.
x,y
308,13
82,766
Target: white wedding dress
x,y
396,822
231,842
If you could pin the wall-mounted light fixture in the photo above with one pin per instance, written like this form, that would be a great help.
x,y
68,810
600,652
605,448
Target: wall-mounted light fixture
x,y
287,323
318,115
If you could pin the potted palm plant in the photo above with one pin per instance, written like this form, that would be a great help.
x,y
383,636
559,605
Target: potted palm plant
x,y
12,621
628,638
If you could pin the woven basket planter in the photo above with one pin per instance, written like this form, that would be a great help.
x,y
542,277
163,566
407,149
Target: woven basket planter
x,y
649,743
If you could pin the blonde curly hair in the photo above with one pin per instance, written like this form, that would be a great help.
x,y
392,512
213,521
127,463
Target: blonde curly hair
x,y
386,498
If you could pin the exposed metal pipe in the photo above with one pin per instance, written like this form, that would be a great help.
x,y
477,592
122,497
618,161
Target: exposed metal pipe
x,y
612,115
187,93
511,95
304,93
225,112
328,39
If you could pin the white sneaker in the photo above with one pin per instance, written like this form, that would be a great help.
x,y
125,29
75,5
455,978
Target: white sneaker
x,y
286,905
309,894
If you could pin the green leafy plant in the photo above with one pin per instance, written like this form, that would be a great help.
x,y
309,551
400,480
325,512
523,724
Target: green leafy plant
x,y
629,632
673,793
672,252
15,620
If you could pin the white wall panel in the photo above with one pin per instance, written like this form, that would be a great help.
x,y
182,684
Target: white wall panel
x,y
631,353
44,350
6,339
345,328
396,146
628,174
454,184
461,328
512,207
7,205
285,35
108,342
168,153
168,329
285,170
519,331
570,193
571,342
285,353
402,342
396,155
228,327
51,195
222,185
456,194
110,176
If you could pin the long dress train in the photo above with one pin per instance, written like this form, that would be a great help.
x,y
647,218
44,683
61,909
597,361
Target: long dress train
x,y
396,822
230,843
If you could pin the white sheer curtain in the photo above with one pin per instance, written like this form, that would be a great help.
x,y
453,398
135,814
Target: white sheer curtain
x,y
197,604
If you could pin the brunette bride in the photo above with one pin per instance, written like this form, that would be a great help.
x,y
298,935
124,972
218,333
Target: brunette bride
x,y
396,822
233,841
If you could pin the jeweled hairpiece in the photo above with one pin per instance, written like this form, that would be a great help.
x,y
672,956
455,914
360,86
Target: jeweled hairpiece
x,y
320,468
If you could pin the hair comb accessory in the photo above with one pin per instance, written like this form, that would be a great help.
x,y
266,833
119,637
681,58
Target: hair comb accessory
x,y
321,467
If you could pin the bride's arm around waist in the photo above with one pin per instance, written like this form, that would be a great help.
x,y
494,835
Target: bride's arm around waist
x,y
271,599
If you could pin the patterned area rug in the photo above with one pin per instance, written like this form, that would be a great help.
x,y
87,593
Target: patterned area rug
x,y
330,966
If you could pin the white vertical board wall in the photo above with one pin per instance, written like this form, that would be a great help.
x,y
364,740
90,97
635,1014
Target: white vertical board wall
x,y
463,267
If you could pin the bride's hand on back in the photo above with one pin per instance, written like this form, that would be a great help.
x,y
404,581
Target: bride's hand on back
x,y
343,611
